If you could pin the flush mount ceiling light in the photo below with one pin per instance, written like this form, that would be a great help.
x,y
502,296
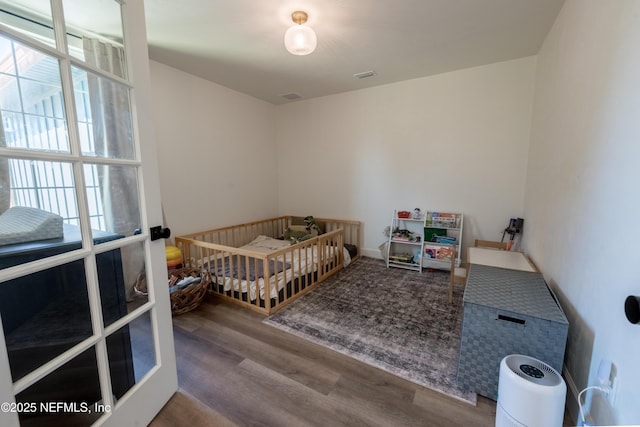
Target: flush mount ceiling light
x,y
300,39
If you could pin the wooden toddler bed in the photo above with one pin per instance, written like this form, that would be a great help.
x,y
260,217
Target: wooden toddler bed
x,y
252,266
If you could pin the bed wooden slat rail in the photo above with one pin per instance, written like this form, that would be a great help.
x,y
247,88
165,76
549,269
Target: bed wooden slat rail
x,y
265,280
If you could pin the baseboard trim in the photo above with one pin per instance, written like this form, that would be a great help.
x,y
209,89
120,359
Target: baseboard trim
x,y
372,253
572,396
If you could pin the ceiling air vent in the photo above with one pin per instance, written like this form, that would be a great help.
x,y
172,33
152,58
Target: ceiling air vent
x,y
365,74
291,96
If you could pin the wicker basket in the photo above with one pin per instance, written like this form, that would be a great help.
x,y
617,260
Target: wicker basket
x,y
189,297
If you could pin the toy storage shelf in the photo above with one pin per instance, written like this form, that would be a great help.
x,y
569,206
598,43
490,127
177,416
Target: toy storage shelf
x,y
441,231
424,240
405,241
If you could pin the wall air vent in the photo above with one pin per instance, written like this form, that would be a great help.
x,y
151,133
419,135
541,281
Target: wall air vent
x,y
291,96
365,74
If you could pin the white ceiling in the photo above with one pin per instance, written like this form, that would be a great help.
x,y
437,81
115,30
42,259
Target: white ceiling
x,y
239,43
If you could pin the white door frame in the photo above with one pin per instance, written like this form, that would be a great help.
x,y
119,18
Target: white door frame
x,y
146,399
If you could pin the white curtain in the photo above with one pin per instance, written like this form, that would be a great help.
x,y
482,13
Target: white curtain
x,y
5,180
111,117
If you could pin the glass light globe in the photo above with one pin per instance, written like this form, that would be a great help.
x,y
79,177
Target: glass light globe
x,y
300,40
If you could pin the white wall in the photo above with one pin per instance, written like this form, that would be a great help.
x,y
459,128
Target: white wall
x,y
456,141
216,152
581,200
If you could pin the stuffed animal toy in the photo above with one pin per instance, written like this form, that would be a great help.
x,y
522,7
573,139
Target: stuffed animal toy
x,y
299,233
312,226
296,233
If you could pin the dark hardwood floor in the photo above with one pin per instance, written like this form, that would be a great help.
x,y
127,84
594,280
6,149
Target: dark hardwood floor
x,y
235,371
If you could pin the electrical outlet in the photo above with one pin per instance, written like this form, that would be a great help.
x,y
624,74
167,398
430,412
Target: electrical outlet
x,y
607,379
604,373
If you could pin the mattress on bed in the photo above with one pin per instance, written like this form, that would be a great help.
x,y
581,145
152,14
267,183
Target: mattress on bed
x,y
242,267
289,267
266,244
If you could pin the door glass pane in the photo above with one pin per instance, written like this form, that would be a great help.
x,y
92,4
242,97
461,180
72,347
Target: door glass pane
x,y
43,315
69,396
136,338
112,193
31,101
104,116
121,277
94,30
38,210
32,18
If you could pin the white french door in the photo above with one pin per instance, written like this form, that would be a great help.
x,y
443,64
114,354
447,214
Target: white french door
x,y
86,335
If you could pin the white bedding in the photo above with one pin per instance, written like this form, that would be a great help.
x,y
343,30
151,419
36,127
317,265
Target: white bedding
x,y
296,260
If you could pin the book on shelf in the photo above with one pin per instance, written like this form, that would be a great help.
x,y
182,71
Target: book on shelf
x,y
440,253
449,240
443,219
431,234
431,251
444,254
407,258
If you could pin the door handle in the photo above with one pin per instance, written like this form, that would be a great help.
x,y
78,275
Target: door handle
x,y
158,232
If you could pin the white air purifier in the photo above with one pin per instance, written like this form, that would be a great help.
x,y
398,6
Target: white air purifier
x,y
530,393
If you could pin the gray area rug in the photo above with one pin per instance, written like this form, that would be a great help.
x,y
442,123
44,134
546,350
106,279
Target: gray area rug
x,y
396,320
